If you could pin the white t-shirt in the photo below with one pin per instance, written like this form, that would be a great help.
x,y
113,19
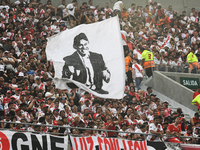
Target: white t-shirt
x,y
2,67
70,8
36,51
6,6
48,94
139,131
122,134
154,128
117,5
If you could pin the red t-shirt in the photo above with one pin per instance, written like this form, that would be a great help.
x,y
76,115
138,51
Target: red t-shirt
x,y
196,120
112,127
173,128
124,122
134,94
6,100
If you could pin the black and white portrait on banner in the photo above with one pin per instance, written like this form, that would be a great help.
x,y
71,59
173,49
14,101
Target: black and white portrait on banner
x,y
85,66
90,57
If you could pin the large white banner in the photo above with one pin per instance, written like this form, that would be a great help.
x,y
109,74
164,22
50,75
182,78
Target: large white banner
x,y
94,143
11,140
91,56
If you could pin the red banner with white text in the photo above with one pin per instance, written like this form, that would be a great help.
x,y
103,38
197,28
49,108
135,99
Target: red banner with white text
x,y
14,140
94,143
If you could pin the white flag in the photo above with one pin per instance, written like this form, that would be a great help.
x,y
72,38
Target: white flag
x,y
90,56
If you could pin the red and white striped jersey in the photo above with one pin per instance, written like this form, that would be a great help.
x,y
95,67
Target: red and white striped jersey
x,y
2,25
41,86
137,70
27,116
153,127
137,54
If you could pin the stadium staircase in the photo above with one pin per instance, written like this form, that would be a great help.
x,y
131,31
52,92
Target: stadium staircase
x,y
169,90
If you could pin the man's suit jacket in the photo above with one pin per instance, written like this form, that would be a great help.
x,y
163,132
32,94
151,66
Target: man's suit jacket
x,y
79,73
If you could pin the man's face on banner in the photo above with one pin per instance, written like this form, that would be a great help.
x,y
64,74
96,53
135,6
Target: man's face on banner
x,y
83,47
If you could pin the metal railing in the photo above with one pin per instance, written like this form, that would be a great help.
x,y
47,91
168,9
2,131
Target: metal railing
x,y
184,68
80,128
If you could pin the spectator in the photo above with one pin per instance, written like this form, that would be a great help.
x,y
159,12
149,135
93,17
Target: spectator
x,y
195,119
175,129
193,62
141,130
155,128
137,73
197,92
117,8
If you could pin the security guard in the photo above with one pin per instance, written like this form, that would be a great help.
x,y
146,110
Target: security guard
x,y
147,61
193,61
128,67
196,101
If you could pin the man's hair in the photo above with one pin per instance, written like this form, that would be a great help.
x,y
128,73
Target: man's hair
x,y
156,99
78,38
156,118
142,126
148,88
10,103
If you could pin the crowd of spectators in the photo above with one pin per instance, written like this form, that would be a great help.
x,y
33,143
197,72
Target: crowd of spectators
x,y
28,94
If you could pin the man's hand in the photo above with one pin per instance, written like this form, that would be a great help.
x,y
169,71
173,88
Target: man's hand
x,y
106,76
161,135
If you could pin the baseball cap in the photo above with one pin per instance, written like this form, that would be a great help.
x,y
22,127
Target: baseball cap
x,y
56,110
17,89
13,97
86,100
37,78
166,102
44,106
22,93
63,98
9,92
21,74
95,115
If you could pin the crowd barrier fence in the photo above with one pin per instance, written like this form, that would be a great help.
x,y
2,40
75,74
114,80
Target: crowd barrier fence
x,y
82,128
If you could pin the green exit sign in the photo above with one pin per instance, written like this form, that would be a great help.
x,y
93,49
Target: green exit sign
x,y
191,83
